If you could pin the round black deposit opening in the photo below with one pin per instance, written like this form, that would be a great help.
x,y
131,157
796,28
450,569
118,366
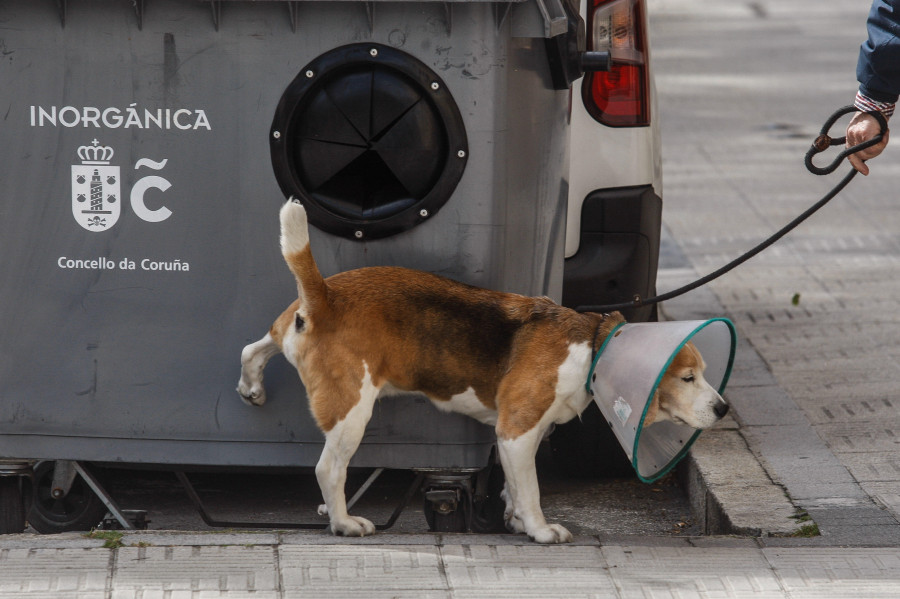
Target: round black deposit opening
x,y
370,139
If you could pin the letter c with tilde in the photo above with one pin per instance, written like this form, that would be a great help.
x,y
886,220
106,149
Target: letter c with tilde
x,y
140,188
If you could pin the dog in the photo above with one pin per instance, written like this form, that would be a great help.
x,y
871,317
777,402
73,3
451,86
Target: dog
x,y
513,362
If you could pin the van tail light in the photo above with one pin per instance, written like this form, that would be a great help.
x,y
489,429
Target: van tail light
x,y
619,97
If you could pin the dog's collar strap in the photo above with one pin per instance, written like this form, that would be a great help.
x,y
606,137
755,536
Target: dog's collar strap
x,y
612,333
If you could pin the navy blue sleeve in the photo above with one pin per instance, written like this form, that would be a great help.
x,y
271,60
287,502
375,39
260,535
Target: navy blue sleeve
x,y
878,69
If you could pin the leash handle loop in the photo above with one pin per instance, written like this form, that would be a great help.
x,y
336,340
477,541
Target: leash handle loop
x,y
825,141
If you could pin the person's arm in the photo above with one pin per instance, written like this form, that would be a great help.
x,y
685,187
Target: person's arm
x,y
864,127
878,72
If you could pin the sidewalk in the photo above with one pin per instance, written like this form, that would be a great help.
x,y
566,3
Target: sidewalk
x,y
264,565
814,392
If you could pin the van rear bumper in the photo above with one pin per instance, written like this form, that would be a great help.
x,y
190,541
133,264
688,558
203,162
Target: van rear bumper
x,y
618,253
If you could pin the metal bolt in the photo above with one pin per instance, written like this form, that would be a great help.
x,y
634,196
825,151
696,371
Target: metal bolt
x,y
423,213
435,85
310,74
276,134
373,52
358,234
461,154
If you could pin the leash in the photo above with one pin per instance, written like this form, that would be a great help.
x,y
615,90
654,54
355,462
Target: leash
x,y
821,143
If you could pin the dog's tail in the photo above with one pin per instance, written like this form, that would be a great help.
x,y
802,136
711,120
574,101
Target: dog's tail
x,y
299,258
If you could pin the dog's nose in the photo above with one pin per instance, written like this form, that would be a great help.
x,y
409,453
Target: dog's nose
x,y
721,409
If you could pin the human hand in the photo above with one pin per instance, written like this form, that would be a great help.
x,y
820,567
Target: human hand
x,y
862,128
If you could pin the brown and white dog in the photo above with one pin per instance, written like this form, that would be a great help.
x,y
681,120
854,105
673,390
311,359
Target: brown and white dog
x,y
514,362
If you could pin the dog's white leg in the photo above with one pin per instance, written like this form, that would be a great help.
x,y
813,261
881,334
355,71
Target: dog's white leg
x,y
513,523
517,456
254,358
341,442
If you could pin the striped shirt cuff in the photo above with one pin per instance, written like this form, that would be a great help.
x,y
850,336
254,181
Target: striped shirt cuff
x,y
866,104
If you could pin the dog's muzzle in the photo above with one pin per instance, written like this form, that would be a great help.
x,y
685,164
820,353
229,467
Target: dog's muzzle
x,y
721,409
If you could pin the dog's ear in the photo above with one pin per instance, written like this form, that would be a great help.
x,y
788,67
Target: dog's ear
x,y
652,409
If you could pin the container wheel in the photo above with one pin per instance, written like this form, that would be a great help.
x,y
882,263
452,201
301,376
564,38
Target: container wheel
x,y
12,505
80,509
448,516
488,505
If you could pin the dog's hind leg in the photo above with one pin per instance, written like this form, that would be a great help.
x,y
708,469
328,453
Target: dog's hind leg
x,y
341,442
254,358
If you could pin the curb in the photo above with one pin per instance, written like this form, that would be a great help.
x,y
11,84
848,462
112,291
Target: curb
x,y
730,493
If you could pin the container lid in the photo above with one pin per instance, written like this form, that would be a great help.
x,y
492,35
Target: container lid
x,y
630,366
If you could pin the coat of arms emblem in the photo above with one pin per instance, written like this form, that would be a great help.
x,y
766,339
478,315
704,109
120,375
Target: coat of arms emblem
x,y
95,188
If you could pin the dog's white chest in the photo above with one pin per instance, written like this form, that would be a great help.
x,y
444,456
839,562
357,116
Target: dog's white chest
x,y
571,396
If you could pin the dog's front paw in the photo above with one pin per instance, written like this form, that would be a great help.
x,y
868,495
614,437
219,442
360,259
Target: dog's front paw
x,y
552,533
352,526
251,394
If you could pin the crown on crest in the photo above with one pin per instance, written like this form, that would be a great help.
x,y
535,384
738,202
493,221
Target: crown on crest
x,y
95,153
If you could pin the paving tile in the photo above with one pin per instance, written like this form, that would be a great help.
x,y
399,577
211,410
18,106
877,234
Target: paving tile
x,y
764,405
868,401
526,571
385,569
873,466
709,572
749,369
53,594
172,538
798,458
363,591
64,572
65,540
318,537
867,514
188,594
192,569
367,594
830,572
885,494
560,590
881,434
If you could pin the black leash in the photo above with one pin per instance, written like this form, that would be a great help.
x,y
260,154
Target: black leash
x,y
822,143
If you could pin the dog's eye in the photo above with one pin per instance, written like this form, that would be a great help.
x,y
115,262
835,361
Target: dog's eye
x,y
688,379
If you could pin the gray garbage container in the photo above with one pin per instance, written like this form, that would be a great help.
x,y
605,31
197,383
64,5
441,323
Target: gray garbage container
x,y
147,149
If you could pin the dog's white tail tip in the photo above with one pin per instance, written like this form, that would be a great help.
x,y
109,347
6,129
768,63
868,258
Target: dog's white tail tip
x,y
294,227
